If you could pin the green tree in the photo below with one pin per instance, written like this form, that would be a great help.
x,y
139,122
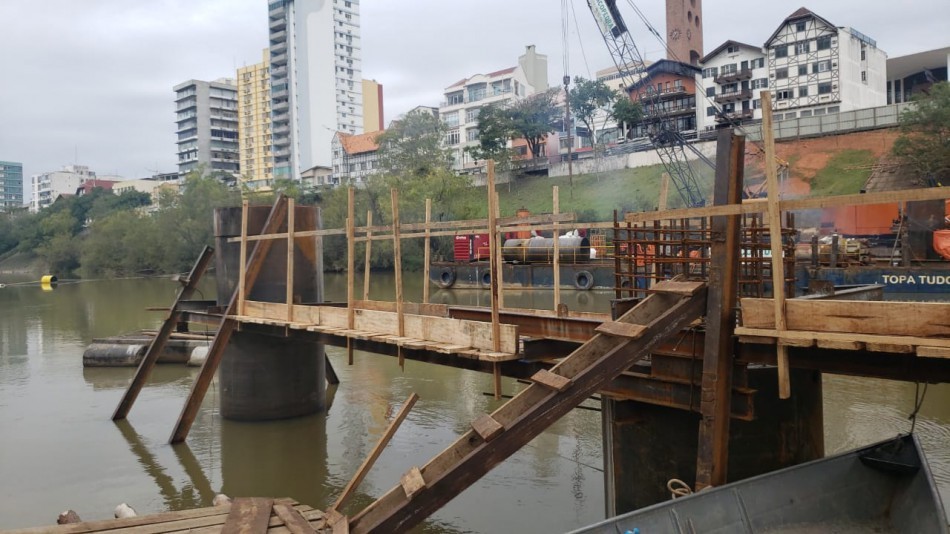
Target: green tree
x,y
592,100
627,113
533,118
412,146
495,129
924,143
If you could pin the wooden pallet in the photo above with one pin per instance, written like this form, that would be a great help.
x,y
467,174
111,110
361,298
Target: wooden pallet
x,y
286,516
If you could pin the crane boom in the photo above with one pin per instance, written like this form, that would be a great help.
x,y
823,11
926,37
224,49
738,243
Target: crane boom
x,y
669,142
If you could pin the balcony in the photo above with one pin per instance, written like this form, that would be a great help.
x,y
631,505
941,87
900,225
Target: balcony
x,y
277,60
278,25
280,47
278,36
744,94
277,72
732,77
742,115
279,94
665,94
282,153
277,12
669,111
279,106
281,130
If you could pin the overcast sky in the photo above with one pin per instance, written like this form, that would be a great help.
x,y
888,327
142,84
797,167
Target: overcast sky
x,y
90,81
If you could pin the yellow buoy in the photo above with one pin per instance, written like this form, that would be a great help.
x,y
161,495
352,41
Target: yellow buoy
x,y
48,282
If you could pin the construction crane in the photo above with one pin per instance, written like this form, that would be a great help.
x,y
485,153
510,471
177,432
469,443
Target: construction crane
x,y
661,127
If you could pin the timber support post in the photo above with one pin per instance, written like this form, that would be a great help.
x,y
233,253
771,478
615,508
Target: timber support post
x,y
713,453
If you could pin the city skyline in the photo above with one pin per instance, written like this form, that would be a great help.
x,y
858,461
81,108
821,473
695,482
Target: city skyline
x,y
94,85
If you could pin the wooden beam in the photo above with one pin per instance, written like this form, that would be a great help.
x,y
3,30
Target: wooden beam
x,y
366,262
775,240
933,352
712,457
290,259
248,515
412,482
557,251
242,262
492,236
350,266
487,428
426,254
397,266
158,342
799,204
293,520
678,287
551,380
254,265
664,191
613,328
374,454
499,256
874,343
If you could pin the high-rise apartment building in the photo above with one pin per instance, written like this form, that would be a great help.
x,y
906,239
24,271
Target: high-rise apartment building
x,y
207,119
316,80
11,185
254,126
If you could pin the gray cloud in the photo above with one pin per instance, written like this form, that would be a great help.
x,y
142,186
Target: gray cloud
x,y
95,77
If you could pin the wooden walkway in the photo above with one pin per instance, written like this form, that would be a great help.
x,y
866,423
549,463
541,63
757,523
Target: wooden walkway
x,y
244,515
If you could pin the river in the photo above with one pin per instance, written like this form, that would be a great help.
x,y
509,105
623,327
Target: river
x,y
59,449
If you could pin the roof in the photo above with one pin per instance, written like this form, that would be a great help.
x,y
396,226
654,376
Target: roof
x,y
800,13
724,46
904,66
359,144
666,66
494,74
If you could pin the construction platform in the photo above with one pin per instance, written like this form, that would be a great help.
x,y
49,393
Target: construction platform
x,y
249,515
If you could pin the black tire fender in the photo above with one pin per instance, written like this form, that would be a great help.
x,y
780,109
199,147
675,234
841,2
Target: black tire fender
x,y
445,277
583,280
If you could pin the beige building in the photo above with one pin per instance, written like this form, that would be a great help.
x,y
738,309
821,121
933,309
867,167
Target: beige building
x,y
372,106
254,125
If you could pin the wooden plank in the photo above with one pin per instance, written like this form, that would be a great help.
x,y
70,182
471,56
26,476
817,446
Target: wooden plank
x,y
557,250
799,204
426,253
339,523
412,482
839,345
248,515
158,342
775,242
918,319
791,343
529,413
242,261
551,380
414,308
757,340
374,454
889,347
397,267
226,327
369,251
290,260
293,520
712,454
487,428
499,256
678,287
492,236
873,342
613,328
933,352
350,266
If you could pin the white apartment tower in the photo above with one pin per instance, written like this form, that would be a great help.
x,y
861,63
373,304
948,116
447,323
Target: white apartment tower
x,y
817,68
206,115
316,80
465,98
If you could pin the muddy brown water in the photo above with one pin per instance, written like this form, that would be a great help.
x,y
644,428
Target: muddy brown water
x,y
59,449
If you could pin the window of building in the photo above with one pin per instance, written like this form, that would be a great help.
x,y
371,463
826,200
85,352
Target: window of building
x,y
452,138
454,98
833,109
800,26
756,104
471,114
803,91
824,42
761,83
864,54
781,74
821,66
710,72
864,76
710,91
781,51
805,113
710,111
784,94
471,134
802,47
824,88
732,49
729,69
819,111
790,115
802,70
758,63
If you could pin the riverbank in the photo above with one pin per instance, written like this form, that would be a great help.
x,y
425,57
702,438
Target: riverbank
x,y
22,264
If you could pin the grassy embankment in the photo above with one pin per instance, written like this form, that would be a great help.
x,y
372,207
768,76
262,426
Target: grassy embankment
x,y
846,173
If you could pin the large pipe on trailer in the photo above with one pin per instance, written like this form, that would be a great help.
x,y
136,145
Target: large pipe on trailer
x,y
573,249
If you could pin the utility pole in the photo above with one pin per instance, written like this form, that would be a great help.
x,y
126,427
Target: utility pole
x,y
567,128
